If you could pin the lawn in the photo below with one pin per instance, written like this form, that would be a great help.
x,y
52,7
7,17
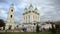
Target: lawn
x,y
27,33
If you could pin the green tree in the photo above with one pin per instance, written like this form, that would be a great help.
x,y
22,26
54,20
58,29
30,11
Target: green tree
x,y
2,24
53,29
37,28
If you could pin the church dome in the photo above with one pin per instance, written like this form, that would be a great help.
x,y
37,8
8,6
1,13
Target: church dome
x,y
36,9
25,9
31,6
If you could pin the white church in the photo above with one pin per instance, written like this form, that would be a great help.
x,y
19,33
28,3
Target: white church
x,y
29,21
31,17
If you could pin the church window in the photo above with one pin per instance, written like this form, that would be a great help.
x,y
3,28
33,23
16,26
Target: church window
x,y
29,11
33,11
36,17
34,24
10,27
29,16
11,16
38,13
26,19
26,12
12,10
33,17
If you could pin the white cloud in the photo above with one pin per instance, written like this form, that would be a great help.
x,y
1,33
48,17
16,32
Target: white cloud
x,y
3,14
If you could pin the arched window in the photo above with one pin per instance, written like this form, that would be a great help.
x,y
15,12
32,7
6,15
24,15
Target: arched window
x,y
33,17
29,11
10,27
34,23
12,10
33,11
11,16
26,19
26,13
29,16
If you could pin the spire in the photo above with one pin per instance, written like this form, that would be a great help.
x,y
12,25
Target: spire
x,y
25,9
36,9
31,5
12,3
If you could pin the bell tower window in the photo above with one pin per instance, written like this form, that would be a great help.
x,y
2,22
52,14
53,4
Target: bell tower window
x,y
12,10
11,16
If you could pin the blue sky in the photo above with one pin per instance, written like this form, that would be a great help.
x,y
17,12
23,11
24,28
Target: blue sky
x,y
48,9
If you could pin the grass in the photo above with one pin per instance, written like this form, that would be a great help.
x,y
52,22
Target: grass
x,y
27,33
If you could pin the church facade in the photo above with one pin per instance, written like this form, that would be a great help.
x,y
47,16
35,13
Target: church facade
x,y
30,18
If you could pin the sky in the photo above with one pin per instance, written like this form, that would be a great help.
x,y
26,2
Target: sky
x,y
49,9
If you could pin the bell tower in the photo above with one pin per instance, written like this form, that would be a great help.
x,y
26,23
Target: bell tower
x,y
10,18
11,14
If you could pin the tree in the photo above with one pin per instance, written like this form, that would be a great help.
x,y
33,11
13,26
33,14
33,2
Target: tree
x,y
53,29
2,24
37,28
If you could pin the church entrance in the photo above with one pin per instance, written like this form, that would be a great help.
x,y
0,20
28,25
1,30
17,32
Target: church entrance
x,y
10,27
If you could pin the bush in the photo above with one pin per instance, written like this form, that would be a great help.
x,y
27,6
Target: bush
x,y
53,29
37,28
